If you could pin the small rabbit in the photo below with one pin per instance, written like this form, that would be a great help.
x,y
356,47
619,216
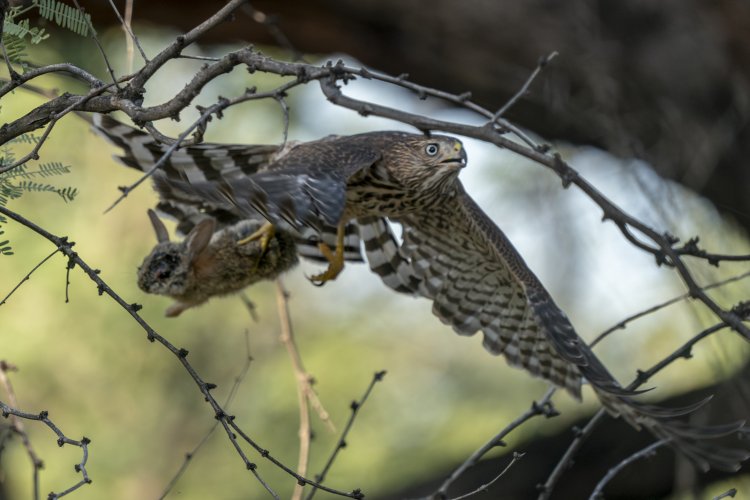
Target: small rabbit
x,y
209,262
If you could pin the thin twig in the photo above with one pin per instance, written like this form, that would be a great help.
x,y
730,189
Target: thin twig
x,y
622,324
485,487
543,61
355,406
28,276
684,351
541,407
92,32
730,493
230,397
18,427
648,451
303,381
130,38
62,440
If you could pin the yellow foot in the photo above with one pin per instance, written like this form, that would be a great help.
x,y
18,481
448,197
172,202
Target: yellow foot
x,y
264,234
335,259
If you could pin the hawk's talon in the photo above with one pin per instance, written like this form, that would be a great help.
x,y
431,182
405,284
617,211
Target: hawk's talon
x,y
264,234
335,259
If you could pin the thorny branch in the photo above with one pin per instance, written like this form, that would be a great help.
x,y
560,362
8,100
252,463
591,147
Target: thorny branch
x,y
62,440
643,376
18,427
227,421
541,407
544,405
126,94
661,244
646,452
232,392
355,407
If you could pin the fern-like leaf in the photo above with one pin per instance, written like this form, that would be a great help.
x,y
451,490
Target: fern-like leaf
x,y
66,16
21,30
67,193
32,186
14,47
5,248
24,139
54,168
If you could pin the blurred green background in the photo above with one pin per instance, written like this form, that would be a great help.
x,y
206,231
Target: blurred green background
x,y
90,365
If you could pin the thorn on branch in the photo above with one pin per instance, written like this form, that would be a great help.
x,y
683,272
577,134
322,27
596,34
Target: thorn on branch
x,y
182,353
303,75
742,309
672,239
661,258
567,175
366,110
466,96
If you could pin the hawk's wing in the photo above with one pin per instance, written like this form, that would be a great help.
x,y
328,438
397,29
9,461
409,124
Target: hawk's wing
x,y
208,163
456,256
306,187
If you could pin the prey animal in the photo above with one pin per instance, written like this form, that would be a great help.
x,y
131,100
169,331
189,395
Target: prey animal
x,y
209,263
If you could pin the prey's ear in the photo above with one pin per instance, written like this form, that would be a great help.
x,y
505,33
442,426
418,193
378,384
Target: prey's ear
x,y
162,234
198,239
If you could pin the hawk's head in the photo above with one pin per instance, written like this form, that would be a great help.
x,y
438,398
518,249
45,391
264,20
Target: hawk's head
x,y
425,163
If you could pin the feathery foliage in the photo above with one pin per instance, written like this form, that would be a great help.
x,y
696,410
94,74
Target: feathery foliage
x,y
14,183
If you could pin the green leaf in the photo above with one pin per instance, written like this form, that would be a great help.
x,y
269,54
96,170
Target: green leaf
x,y
66,16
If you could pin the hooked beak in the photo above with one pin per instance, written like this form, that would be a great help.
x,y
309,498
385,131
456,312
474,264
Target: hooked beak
x,y
458,159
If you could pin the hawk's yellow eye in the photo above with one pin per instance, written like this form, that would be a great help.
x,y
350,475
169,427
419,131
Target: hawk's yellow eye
x,y
431,149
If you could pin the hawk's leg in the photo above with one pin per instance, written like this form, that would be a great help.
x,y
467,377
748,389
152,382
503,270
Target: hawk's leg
x,y
263,234
335,258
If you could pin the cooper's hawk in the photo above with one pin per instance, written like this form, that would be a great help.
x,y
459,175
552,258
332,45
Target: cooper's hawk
x,y
450,253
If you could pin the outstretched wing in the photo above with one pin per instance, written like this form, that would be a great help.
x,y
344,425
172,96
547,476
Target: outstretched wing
x,y
208,163
456,256
305,188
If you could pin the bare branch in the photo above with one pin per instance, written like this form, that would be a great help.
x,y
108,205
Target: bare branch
x,y
541,407
341,444
648,451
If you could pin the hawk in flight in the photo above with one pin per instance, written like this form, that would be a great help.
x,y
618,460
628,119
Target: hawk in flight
x,y
343,187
